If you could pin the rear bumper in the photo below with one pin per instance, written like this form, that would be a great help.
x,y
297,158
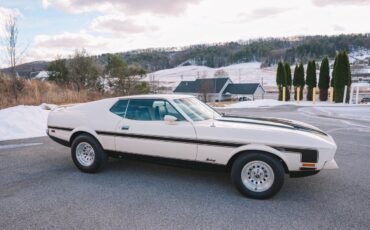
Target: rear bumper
x,y
58,140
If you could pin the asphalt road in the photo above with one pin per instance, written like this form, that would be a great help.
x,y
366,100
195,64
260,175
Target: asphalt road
x,y
40,188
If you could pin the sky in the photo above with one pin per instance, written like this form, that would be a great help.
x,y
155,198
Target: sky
x,y
51,28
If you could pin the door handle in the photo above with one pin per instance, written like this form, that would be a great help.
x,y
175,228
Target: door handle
x,y
125,127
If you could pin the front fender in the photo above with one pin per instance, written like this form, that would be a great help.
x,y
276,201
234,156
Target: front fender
x,y
263,148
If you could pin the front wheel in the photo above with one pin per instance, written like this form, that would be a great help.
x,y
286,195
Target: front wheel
x,y
257,175
87,154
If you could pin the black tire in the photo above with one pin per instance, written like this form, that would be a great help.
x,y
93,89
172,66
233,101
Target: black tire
x,y
100,157
273,162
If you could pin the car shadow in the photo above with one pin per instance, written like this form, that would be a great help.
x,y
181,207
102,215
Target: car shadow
x,y
217,178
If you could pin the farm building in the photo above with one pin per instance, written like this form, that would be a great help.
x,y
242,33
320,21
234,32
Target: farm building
x,y
220,89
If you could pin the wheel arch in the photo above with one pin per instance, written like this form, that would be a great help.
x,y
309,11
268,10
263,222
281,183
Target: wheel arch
x,y
81,131
261,149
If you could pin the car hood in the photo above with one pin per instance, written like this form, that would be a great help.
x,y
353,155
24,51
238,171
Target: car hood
x,y
273,122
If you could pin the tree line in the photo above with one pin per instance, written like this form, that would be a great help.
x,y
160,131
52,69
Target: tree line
x,y
82,71
341,77
268,51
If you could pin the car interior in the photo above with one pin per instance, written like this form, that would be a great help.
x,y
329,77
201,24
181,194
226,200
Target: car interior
x,y
151,110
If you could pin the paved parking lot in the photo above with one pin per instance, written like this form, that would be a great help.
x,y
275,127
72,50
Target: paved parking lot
x,y
40,188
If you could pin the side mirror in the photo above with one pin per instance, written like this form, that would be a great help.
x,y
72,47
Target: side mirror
x,y
170,119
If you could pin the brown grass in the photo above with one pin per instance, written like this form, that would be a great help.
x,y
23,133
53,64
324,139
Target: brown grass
x,y
36,92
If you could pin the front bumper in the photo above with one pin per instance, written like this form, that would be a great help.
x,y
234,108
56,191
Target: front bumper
x,y
331,165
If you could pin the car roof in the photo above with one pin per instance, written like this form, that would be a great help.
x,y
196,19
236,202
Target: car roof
x,y
157,96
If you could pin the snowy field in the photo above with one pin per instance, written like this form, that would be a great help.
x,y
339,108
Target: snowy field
x,y
249,72
30,121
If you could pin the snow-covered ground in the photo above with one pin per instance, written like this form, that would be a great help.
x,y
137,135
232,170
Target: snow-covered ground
x,y
23,121
249,72
358,112
273,103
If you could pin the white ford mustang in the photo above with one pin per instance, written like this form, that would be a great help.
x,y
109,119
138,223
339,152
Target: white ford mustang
x,y
258,151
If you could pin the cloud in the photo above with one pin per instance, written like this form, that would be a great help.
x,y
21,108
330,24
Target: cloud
x,y
165,7
69,41
339,28
322,3
46,47
262,13
117,24
45,4
5,13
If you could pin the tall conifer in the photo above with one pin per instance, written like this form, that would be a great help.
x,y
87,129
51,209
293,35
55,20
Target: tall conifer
x,y
324,79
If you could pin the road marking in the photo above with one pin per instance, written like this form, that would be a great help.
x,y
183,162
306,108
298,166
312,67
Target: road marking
x,y
13,146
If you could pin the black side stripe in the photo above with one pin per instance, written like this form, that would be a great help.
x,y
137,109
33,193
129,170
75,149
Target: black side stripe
x,y
284,126
174,139
278,123
307,155
60,128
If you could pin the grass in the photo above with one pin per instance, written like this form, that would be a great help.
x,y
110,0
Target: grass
x,y
36,92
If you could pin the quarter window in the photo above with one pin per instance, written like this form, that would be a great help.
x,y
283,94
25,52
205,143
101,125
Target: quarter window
x,y
120,108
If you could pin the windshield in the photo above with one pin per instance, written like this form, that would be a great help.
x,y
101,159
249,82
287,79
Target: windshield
x,y
196,110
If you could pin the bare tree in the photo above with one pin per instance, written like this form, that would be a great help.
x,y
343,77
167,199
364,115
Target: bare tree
x,y
206,88
221,73
11,43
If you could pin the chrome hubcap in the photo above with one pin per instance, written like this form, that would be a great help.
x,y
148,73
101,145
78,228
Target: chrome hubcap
x,y
85,154
257,176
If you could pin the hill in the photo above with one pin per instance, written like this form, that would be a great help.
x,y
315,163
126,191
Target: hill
x,y
28,69
267,51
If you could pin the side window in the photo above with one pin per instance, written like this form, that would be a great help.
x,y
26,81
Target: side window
x,y
119,108
139,109
151,110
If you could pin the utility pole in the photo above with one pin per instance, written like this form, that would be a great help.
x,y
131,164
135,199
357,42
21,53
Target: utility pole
x,y
239,76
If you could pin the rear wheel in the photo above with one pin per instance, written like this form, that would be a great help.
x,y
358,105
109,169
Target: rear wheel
x,y
87,154
257,175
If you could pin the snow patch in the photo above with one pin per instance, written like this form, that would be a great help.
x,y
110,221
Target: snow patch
x,y
24,121
273,103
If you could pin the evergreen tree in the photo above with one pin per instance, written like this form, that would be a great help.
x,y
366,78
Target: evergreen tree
x,y
298,81
58,71
295,81
124,79
311,81
281,79
324,79
288,80
84,71
342,77
333,75
301,79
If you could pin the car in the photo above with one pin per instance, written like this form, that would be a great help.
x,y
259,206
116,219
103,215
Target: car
x,y
258,152
365,100
245,99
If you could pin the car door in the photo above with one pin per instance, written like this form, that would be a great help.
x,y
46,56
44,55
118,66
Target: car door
x,y
144,131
